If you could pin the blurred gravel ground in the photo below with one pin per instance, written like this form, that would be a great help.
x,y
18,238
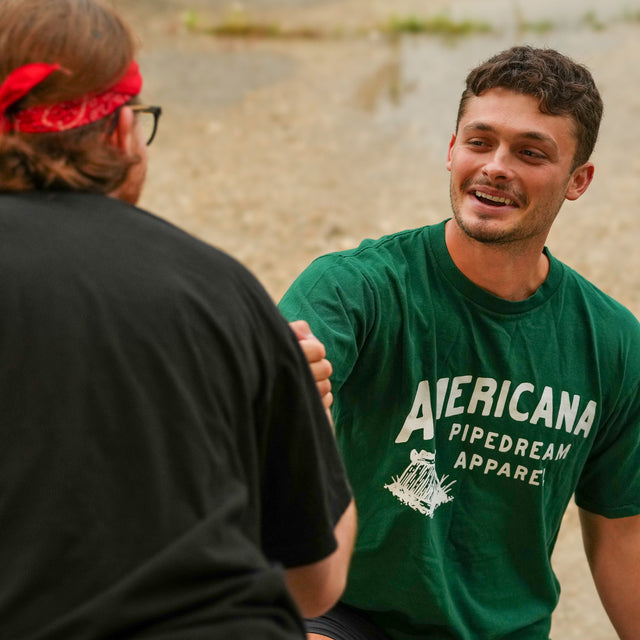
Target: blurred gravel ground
x,y
278,150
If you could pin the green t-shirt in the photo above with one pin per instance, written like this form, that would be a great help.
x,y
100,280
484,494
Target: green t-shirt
x,y
466,423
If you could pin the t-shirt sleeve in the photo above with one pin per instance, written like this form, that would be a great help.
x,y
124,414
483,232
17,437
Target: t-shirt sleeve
x,y
304,489
610,482
337,300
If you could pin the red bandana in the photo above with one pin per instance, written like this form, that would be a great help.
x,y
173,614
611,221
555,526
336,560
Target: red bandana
x,y
66,115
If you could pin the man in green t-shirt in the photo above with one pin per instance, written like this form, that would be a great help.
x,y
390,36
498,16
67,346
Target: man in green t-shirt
x,y
480,383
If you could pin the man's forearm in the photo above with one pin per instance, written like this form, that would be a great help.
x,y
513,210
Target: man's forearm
x,y
317,587
613,550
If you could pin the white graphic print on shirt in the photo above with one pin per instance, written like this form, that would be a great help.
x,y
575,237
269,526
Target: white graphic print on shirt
x,y
420,487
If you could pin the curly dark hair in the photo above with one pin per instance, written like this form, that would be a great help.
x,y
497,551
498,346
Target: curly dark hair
x,y
563,87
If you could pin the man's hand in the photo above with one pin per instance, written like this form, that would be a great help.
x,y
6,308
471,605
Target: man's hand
x,y
315,353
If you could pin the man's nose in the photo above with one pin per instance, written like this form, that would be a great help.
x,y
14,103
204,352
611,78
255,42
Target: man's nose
x,y
498,165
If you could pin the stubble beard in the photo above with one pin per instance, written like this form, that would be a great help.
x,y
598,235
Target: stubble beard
x,y
484,230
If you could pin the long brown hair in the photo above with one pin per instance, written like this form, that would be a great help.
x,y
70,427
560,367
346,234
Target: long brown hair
x,y
94,47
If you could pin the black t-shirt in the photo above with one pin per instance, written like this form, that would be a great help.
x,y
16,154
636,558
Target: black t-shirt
x,y
163,449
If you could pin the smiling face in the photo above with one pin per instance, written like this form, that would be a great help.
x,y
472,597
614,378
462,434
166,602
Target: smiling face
x,y
511,168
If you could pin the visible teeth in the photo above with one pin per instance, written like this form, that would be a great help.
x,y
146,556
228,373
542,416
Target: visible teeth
x,y
486,196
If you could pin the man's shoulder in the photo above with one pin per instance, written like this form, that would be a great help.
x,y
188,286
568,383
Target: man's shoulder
x,y
113,238
374,265
603,309
371,253
407,239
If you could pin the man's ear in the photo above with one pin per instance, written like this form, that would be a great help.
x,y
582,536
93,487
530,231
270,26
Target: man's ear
x,y
122,134
580,180
451,143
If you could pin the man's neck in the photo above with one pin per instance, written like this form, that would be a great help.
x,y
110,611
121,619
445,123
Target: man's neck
x,y
508,271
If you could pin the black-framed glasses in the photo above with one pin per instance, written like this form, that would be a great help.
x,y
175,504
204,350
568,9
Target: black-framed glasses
x,y
149,125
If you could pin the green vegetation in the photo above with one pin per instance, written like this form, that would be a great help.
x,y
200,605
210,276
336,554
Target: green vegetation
x,y
438,25
237,23
246,29
590,19
525,26
191,20
539,27
631,16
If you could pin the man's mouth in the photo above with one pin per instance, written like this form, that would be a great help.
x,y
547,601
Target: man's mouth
x,y
496,201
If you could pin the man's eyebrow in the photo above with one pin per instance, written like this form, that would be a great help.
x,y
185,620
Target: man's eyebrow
x,y
527,135
478,126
